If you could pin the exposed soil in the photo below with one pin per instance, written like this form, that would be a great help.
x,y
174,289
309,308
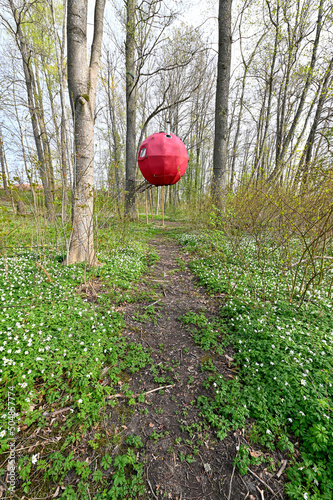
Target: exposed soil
x,y
169,474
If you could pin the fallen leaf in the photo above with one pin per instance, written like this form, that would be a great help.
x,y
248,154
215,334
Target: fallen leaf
x,y
207,468
229,359
255,454
55,494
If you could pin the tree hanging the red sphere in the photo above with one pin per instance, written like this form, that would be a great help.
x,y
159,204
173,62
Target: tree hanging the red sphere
x,y
162,159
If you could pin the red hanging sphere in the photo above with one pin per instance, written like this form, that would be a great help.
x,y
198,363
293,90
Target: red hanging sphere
x,y
162,159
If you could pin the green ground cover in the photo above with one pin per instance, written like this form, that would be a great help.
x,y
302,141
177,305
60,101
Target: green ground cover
x,y
60,350
283,346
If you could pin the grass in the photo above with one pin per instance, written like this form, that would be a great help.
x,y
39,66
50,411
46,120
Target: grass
x,y
283,354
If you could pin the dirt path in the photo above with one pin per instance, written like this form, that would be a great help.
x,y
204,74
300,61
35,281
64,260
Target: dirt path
x,y
191,463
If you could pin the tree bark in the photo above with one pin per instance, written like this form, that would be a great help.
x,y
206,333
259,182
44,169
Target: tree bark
x,y
221,107
3,166
305,161
113,121
131,97
82,82
289,136
66,156
43,131
33,110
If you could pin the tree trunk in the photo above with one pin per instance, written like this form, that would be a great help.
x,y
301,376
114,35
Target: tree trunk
x,y
29,173
221,106
3,166
33,110
43,131
66,156
115,135
82,81
130,110
157,199
305,161
289,136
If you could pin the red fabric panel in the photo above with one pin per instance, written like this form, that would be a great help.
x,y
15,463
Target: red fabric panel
x,y
165,161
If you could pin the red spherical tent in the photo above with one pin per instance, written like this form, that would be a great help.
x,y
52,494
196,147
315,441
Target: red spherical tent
x,y
162,159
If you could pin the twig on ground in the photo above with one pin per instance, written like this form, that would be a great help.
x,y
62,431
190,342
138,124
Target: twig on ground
x,y
247,489
149,305
154,390
88,493
261,493
141,393
230,486
47,414
283,466
150,486
277,493
263,482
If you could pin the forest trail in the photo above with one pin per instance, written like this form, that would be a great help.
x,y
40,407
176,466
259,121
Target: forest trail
x,y
184,458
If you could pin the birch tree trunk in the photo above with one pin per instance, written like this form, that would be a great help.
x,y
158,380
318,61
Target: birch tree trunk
x,y
221,108
82,82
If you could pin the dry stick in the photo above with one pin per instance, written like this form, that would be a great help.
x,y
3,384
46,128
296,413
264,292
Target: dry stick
x,y
283,466
48,277
232,476
47,414
149,305
151,489
277,493
12,493
142,393
151,203
146,198
263,482
248,493
314,258
261,493
150,486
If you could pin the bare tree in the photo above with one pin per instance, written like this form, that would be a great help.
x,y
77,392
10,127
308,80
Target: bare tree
x,y
131,97
35,110
82,82
115,154
283,144
305,161
221,106
2,161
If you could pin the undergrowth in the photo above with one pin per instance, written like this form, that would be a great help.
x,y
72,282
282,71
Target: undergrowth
x,y
63,360
283,355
